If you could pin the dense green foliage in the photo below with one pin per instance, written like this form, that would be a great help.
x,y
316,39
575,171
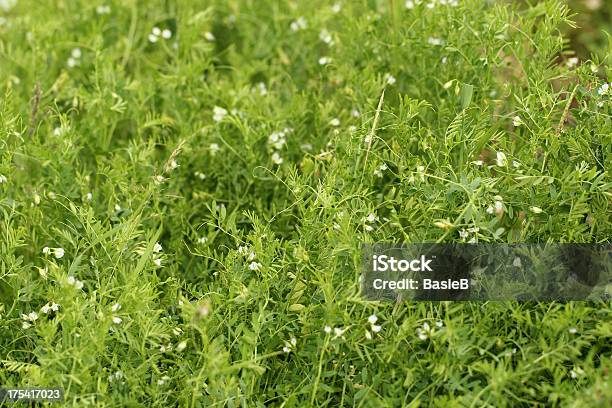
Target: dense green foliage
x,y
185,187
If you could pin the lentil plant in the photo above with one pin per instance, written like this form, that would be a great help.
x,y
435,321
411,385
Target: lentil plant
x,y
185,188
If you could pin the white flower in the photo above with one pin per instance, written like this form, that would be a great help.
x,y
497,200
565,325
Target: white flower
x,y
117,320
32,316
157,261
573,374
501,159
153,38
166,34
209,36
368,335
72,62
78,284
157,247
214,148
572,62
71,280
536,210
25,325
325,60
478,163
573,330
286,349
435,41
390,79
372,319
517,121
181,346
3,179
604,89
46,250
76,53
336,8
463,234
326,37
293,341
89,196
219,113
46,309
490,210
371,217
517,262
156,31
115,307
439,323
338,331
202,240
58,252
327,329
276,158
103,9
298,24
376,328
254,266
355,113
499,206
335,122
409,4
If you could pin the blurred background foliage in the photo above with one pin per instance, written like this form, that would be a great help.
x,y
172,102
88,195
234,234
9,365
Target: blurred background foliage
x,y
594,21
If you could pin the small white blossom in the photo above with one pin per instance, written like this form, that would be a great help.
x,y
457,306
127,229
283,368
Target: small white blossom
x,y
517,262
103,9
604,89
338,331
326,37
3,179
276,158
117,320
115,307
209,36
46,250
202,240
58,252
299,24
76,53
517,121
536,210
219,113
214,148
157,261
368,335
336,8
157,247
376,328
325,60
327,329
573,330
254,266
166,34
89,196
463,234
390,79
501,159
435,41
153,38
335,122
372,319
